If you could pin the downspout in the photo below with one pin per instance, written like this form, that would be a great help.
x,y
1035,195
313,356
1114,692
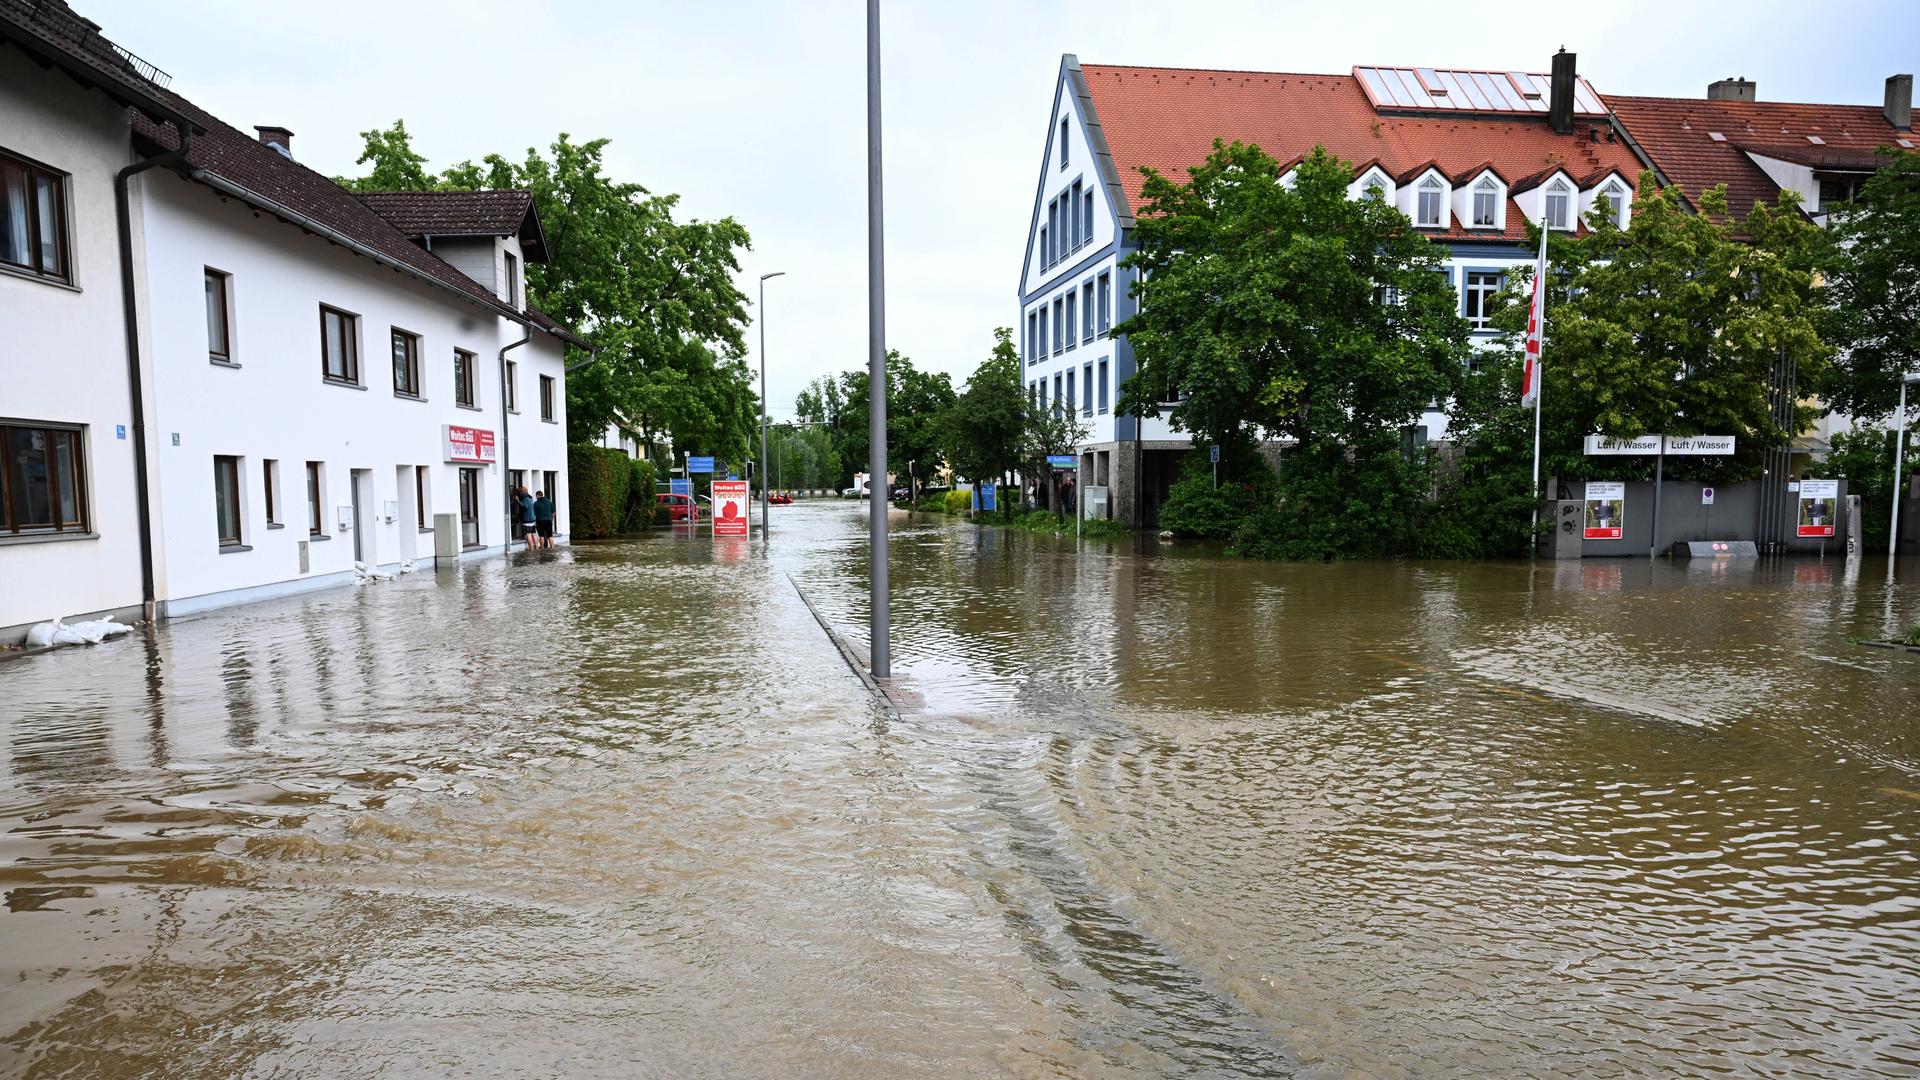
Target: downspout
x,y
506,433
135,394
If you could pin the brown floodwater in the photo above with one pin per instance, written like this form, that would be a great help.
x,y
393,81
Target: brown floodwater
x,y
622,810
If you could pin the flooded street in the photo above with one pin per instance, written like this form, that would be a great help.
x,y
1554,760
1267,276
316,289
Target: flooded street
x,y
623,810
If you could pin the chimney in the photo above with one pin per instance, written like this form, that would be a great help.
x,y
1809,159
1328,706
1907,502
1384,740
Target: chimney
x,y
1899,103
1560,101
1740,89
277,137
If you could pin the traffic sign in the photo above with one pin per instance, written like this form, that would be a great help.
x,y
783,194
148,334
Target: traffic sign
x,y
1213,453
1706,496
729,508
680,485
1063,461
700,464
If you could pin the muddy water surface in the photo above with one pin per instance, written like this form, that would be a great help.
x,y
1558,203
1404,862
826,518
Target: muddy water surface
x,y
621,810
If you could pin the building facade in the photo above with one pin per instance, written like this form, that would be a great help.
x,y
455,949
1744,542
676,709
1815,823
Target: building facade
x,y
328,379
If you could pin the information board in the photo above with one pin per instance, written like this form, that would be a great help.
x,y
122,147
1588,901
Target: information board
x,y
700,464
729,508
1606,510
1819,501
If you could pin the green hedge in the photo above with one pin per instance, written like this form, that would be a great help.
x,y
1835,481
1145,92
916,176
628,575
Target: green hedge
x,y
610,493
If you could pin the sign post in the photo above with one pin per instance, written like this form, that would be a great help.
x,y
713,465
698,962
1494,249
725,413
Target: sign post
x,y
1213,454
730,513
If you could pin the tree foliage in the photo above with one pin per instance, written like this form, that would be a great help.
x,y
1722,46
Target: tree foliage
x,y
983,431
916,402
655,296
1873,291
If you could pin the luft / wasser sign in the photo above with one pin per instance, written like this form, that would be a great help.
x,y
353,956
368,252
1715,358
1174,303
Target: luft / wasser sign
x,y
1650,445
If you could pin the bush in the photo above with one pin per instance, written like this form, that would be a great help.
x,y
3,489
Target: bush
x,y
1194,507
958,502
609,492
1334,504
641,504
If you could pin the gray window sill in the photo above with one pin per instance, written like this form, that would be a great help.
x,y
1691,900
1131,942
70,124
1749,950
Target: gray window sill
x,y
217,362
464,405
28,275
342,384
426,530
408,397
46,537
515,412
548,420
231,549
318,536
276,525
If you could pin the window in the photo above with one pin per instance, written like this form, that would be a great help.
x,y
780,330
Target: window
x,y
1103,386
1070,382
340,345
1106,302
1556,212
513,279
33,219
546,398
43,479
1063,142
463,371
1046,257
1058,327
1056,395
406,363
316,516
1837,191
1086,311
421,504
219,322
1032,331
1486,203
1073,298
226,499
1617,204
1429,196
1041,349
1086,213
513,386
1086,390
270,475
470,508
1079,226
1481,289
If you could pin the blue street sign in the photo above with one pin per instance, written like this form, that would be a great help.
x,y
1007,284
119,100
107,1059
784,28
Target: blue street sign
x,y
1063,461
985,493
680,486
700,464
731,476
119,431
1213,453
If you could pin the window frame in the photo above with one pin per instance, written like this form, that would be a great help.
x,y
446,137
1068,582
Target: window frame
x,y
1064,122
225,294
1086,389
469,488
62,212
350,340
231,489
1489,187
1485,293
1105,281
1103,385
76,442
1436,188
465,385
512,263
1619,202
513,387
1086,310
1557,188
1058,342
395,337
270,483
1072,297
316,498
422,506
547,411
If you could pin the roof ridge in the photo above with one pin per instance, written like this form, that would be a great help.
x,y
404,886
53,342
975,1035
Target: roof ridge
x,y
1222,71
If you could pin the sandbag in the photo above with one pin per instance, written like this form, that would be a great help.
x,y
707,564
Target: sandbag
x,y
41,635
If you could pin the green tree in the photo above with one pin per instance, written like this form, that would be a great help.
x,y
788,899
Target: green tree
x,y
1291,310
655,296
1865,460
915,402
982,432
1872,293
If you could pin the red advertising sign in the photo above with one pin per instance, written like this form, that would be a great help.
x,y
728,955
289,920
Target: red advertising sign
x,y
469,445
730,508
1819,507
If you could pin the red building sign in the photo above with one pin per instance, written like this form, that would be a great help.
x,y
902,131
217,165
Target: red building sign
x,y
469,446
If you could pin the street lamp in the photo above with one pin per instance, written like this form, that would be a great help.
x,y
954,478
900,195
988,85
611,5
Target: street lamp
x,y
765,536
1899,455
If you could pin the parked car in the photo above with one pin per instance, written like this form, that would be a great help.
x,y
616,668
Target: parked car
x,y
677,506
857,492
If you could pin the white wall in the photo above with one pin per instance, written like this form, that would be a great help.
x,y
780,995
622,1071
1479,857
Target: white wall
x,y
1054,180
63,351
276,405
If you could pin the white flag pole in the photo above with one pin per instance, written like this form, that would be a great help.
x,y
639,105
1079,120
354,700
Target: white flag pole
x,y
1537,334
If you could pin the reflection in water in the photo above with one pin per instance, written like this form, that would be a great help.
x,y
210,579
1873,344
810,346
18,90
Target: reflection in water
x,y
1152,812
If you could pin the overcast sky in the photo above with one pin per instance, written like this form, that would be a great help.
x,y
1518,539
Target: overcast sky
x,y
757,110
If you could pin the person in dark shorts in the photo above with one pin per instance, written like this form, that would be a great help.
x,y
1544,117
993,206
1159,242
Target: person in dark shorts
x,y
543,518
524,503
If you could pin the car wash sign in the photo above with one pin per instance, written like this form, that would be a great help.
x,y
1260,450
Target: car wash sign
x,y
729,508
468,446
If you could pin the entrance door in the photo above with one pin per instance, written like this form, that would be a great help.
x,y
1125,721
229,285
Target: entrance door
x,y
470,508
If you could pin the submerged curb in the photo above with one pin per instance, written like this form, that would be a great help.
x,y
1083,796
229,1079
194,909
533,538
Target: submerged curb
x,y
848,653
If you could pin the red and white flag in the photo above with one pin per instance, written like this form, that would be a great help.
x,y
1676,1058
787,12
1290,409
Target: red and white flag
x,y
1536,323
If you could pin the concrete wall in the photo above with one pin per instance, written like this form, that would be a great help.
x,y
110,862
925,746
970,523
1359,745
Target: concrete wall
x,y
1733,516
63,356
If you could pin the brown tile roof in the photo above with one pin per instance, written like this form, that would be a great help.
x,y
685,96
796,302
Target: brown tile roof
x,y
462,213
1677,134
54,32
546,322
1167,118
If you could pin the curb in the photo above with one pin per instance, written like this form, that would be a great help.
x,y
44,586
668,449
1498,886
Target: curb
x,y
848,654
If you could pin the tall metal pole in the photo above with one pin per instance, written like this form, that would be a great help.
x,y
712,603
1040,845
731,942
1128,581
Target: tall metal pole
x,y
1899,456
762,314
1659,481
881,661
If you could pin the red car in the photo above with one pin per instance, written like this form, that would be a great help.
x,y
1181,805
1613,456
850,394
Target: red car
x,y
678,506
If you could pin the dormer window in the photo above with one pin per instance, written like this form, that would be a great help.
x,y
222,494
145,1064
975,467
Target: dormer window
x,y
1617,203
1372,184
1430,199
1559,198
1486,203
513,281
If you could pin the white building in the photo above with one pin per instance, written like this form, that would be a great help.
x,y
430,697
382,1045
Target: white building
x,y
1470,156
328,378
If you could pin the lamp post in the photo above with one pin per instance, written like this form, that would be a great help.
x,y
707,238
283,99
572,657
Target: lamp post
x,y
881,656
765,536
1899,456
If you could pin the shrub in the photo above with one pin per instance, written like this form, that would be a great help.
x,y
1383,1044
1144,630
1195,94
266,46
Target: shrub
x,y
958,502
609,492
641,504
1194,507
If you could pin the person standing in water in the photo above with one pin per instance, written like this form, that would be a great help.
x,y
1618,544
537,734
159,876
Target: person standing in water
x,y
543,519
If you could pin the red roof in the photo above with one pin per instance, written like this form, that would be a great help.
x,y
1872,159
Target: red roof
x,y
1167,118
1677,133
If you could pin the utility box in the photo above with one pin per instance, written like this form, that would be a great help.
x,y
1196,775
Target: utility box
x,y
1094,502
1569,520
446,539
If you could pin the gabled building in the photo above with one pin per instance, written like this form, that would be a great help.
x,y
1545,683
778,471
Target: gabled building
x,y
1469,156
322,379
